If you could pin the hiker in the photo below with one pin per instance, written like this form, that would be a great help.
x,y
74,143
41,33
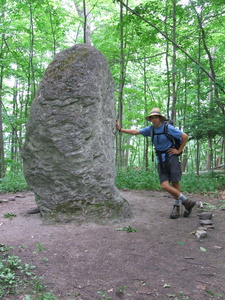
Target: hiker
x,y
169,168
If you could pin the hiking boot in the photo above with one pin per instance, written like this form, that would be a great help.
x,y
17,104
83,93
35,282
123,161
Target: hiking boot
x,y
175,212
188,205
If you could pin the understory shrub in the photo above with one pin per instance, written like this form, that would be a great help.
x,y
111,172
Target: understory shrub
x,y
141,179
203,183
137,179
18,278
13,182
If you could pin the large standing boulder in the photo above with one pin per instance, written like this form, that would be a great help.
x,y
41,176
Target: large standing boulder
x,y
69,159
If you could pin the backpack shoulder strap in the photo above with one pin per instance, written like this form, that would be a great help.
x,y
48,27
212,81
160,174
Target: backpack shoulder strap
x,y
170,137
166,129
152,133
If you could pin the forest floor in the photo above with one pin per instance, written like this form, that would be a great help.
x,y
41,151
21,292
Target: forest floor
x,y
162,260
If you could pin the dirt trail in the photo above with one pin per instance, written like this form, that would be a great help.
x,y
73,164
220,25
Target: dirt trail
x,y
162,260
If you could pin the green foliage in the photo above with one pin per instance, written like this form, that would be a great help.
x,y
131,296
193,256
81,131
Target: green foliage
x,y
203,183
127,229
40,247
17,278
137,179
45,296
104,295
9,215
13,182
140,179
148,61
207,123
13,275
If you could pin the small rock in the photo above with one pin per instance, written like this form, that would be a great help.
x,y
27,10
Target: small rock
x,y
205,216
4,200
200,234
20,196
218,247
203,228
199,204
210,227
35,210
12,199
206,222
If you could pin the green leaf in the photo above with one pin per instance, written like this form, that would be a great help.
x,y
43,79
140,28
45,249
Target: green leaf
x,y
127,228
180,243
203,249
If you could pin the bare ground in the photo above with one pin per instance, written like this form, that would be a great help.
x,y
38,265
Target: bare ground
x,y
163,260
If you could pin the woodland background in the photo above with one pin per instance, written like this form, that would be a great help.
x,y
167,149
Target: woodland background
x,y
168,54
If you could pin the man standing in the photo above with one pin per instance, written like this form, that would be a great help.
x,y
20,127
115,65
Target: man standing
x,y
169,168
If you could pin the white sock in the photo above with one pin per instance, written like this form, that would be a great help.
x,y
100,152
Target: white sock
x,y
182,198
177,202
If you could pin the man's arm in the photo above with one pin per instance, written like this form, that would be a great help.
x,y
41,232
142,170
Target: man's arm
x,y
128,131
184,138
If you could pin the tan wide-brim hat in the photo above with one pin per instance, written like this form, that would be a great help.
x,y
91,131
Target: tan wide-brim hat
x,y
155,112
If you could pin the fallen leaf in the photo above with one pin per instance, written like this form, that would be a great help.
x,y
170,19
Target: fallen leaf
x,y
202,249
180,243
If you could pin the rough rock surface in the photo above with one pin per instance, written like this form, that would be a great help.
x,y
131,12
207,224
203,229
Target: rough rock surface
x,y
69,159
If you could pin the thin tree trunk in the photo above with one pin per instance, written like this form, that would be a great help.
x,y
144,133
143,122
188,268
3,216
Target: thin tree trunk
x,y
174,64
146,141
198,105
87,28
2,154
184,161
32,52
167,67
14,139
85,14
31,76
121,87
212,79
52,30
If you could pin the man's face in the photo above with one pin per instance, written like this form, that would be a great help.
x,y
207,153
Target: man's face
x,y
156,121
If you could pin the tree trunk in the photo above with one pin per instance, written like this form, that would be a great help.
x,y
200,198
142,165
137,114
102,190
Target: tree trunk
x,y
2,154
33,85
146,141
121,87
53,31
85,14
87,27
174,64
198,104
167,67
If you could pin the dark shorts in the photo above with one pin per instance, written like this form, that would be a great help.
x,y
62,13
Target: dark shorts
x,y
172,172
